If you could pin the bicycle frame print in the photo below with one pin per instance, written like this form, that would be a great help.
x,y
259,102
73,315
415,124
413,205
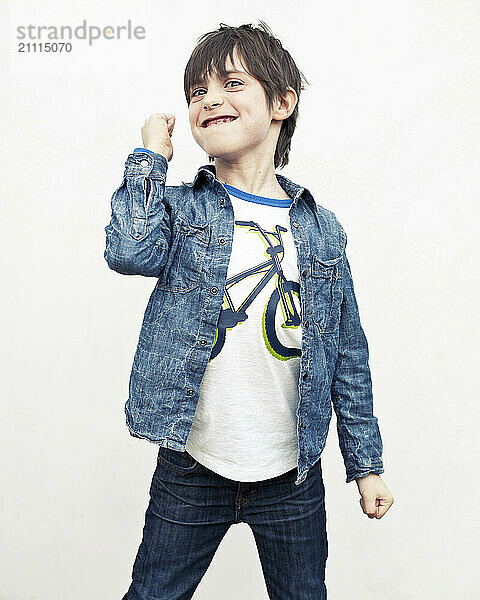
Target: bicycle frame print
x,y
282,295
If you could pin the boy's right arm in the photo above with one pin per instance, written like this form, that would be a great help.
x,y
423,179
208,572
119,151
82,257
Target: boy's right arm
x,y
139,233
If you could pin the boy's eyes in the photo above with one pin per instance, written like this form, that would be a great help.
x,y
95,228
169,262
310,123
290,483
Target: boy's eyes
x,y
200,89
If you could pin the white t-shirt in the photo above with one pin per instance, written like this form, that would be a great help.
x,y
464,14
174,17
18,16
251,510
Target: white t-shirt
x,y
245,425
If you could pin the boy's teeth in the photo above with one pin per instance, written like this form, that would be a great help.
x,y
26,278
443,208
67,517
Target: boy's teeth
x,y
224,120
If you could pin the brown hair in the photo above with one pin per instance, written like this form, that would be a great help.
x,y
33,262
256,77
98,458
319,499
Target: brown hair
x,y
264,58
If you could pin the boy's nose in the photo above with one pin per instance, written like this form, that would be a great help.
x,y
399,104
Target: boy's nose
x,y
208,104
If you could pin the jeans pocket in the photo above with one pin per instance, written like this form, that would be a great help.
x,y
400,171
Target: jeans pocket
x,y
180,462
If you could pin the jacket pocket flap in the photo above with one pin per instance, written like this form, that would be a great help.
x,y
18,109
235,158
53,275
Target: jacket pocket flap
x,y
325,267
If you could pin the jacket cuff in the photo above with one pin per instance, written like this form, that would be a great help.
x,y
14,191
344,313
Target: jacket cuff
x,y
148,164
143,150
354,473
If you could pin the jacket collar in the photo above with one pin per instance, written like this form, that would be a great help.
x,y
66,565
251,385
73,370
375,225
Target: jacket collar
x,y
208,172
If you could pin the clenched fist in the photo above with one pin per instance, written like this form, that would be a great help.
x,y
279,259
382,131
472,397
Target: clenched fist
x,y
157,132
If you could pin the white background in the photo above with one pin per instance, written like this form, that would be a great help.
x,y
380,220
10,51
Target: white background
x,y
388,139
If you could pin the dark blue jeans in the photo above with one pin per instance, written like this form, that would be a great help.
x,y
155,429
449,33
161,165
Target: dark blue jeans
x,y
191,508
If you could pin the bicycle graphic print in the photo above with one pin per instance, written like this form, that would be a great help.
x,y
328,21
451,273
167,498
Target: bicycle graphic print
x,y
281,298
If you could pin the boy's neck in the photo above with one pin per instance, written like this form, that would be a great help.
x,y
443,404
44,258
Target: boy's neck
x,y
250,179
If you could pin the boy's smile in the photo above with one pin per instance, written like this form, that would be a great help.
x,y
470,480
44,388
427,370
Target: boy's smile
x,y
218,120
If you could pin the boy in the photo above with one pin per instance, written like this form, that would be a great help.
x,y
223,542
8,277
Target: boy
x,y
250,335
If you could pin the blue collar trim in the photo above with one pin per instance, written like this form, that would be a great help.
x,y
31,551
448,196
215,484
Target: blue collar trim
x,y
279,202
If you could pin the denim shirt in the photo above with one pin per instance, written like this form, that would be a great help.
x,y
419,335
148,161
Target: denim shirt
x,y
182,236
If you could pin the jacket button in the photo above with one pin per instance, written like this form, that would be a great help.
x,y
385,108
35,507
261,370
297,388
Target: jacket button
x,y
304,272
306,324
203,342
190,392
222,240
214,289
301,425
305,375
222,201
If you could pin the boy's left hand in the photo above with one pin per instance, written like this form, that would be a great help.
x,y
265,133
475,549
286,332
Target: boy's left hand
x,y
376,498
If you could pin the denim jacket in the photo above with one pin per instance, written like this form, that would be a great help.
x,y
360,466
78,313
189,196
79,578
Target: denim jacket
x,y
182,236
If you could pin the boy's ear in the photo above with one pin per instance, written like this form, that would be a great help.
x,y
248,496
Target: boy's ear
x,y
283,107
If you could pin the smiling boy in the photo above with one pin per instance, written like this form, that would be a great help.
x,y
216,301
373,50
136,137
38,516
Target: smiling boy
x,y
251,334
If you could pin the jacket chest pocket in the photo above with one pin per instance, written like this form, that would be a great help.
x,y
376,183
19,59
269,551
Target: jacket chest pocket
x,y
186,256
327,293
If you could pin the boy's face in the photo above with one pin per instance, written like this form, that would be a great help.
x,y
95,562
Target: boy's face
x,y
241,96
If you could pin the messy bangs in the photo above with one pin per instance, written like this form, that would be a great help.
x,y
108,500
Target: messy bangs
x,y
210,60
